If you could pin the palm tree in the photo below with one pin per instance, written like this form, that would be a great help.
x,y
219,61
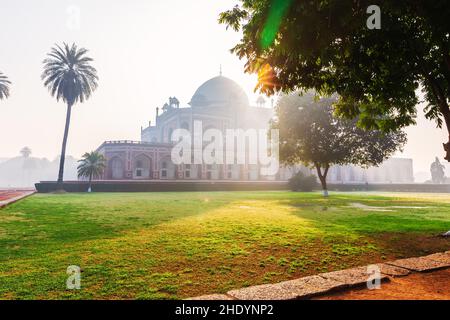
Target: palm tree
x,y
68,76
25,152
91,166
4,86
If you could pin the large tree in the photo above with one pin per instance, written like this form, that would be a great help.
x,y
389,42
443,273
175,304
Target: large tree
x,y
69,77
4,86
311,135
327,45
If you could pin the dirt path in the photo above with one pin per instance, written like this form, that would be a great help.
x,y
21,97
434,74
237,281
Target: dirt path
x,y
419,286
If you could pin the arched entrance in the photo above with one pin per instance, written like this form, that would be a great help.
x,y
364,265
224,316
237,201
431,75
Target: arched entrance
x,y
142,167
167,169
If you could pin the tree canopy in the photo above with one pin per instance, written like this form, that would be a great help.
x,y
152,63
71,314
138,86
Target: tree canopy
x,y
326,45
310,134
69,75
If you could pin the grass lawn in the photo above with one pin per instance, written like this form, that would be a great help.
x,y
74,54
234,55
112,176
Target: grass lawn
x,y
176,245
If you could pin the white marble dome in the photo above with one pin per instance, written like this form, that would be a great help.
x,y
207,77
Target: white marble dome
x,y
219,91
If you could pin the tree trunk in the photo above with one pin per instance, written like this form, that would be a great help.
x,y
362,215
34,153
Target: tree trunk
x,y
59,184
323,178
445,110
90,183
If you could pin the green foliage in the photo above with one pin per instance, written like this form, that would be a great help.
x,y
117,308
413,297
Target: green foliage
x,y
91,165
4,86
325,45
277,12
312,135
303,182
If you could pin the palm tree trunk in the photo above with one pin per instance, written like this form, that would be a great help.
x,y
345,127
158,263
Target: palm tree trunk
x,y
59,184
90,183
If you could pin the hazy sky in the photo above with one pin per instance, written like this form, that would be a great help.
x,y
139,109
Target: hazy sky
x,y
144,51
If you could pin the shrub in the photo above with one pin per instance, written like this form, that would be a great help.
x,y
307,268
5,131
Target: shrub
x,y
303,182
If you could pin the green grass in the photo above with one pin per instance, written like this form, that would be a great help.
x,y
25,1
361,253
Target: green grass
x,y
176,245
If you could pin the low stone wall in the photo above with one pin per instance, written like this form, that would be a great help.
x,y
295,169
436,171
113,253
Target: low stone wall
x,y
183,185
163,186
392,187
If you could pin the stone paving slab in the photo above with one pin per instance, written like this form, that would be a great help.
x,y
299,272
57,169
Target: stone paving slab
x,y
311,286
288,290
443,258
423,264
351,277
263,292
212,297
393,271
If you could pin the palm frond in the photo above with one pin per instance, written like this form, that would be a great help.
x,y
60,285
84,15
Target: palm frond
x,y
68,74
4,86
92,164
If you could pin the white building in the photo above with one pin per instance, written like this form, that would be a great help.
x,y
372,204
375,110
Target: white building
x,y
222,104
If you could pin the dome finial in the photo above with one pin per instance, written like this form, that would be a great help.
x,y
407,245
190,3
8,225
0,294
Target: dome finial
x,y
220,72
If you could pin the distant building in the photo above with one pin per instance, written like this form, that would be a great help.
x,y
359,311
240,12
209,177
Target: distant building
x,y
394,170
222,104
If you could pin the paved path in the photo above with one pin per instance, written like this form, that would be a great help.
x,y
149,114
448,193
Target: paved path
x,y
9,196
419,278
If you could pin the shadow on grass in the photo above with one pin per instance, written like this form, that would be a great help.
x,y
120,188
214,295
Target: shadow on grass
x,y
45,220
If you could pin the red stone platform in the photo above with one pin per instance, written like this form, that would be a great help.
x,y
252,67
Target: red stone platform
x,y
9,196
